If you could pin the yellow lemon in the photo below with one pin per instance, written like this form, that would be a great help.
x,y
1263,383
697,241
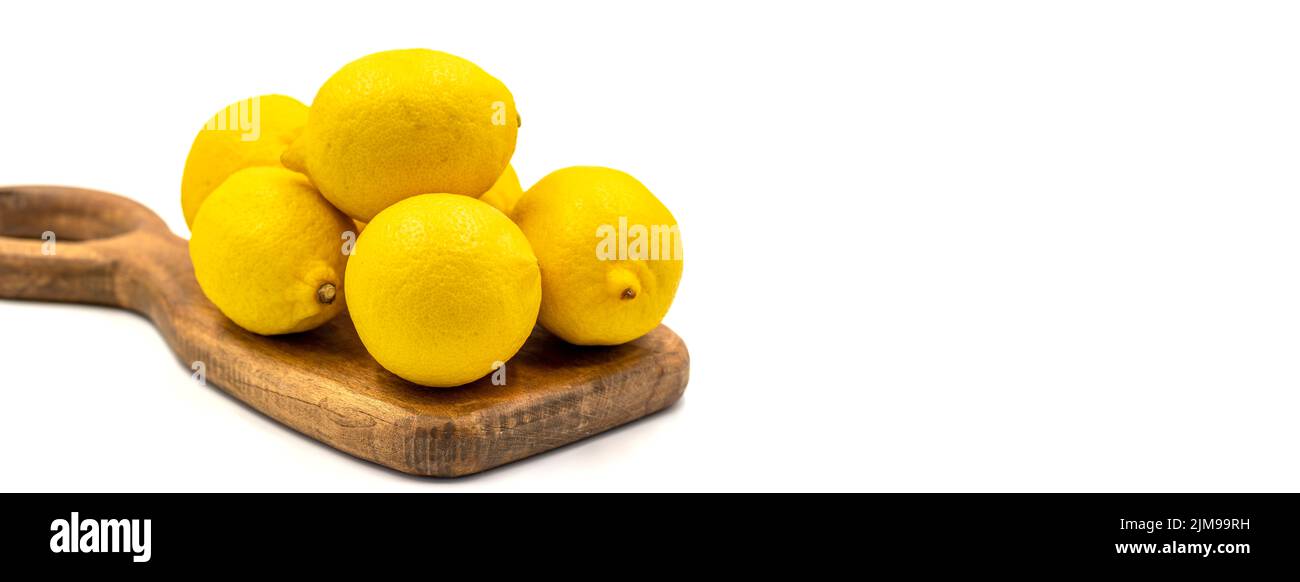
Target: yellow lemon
x,y
395,124
505,193
609,251
267,251
443,289
248,133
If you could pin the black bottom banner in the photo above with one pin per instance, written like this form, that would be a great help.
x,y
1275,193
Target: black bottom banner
x,y
441,533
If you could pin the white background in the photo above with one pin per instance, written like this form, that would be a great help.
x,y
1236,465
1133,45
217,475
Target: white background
x,y
931,246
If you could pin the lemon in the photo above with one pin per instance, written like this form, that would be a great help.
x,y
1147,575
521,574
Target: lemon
x,y
505,193
395,124
442,288
609,251
266,249
248,133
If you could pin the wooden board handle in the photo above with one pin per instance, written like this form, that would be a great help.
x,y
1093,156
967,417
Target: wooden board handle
x,y
86,246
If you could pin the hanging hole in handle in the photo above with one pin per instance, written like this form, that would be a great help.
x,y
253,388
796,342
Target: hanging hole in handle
x,y
72,214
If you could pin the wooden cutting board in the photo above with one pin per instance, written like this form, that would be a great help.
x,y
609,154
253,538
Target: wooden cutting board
x,y
109,250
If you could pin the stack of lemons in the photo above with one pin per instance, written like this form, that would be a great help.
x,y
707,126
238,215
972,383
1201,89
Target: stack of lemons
x,y
454,263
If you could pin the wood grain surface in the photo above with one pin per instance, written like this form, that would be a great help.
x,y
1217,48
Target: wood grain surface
x,y
109,250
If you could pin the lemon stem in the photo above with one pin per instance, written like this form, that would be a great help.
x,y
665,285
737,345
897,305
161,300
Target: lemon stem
x,y
325,294
629,293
